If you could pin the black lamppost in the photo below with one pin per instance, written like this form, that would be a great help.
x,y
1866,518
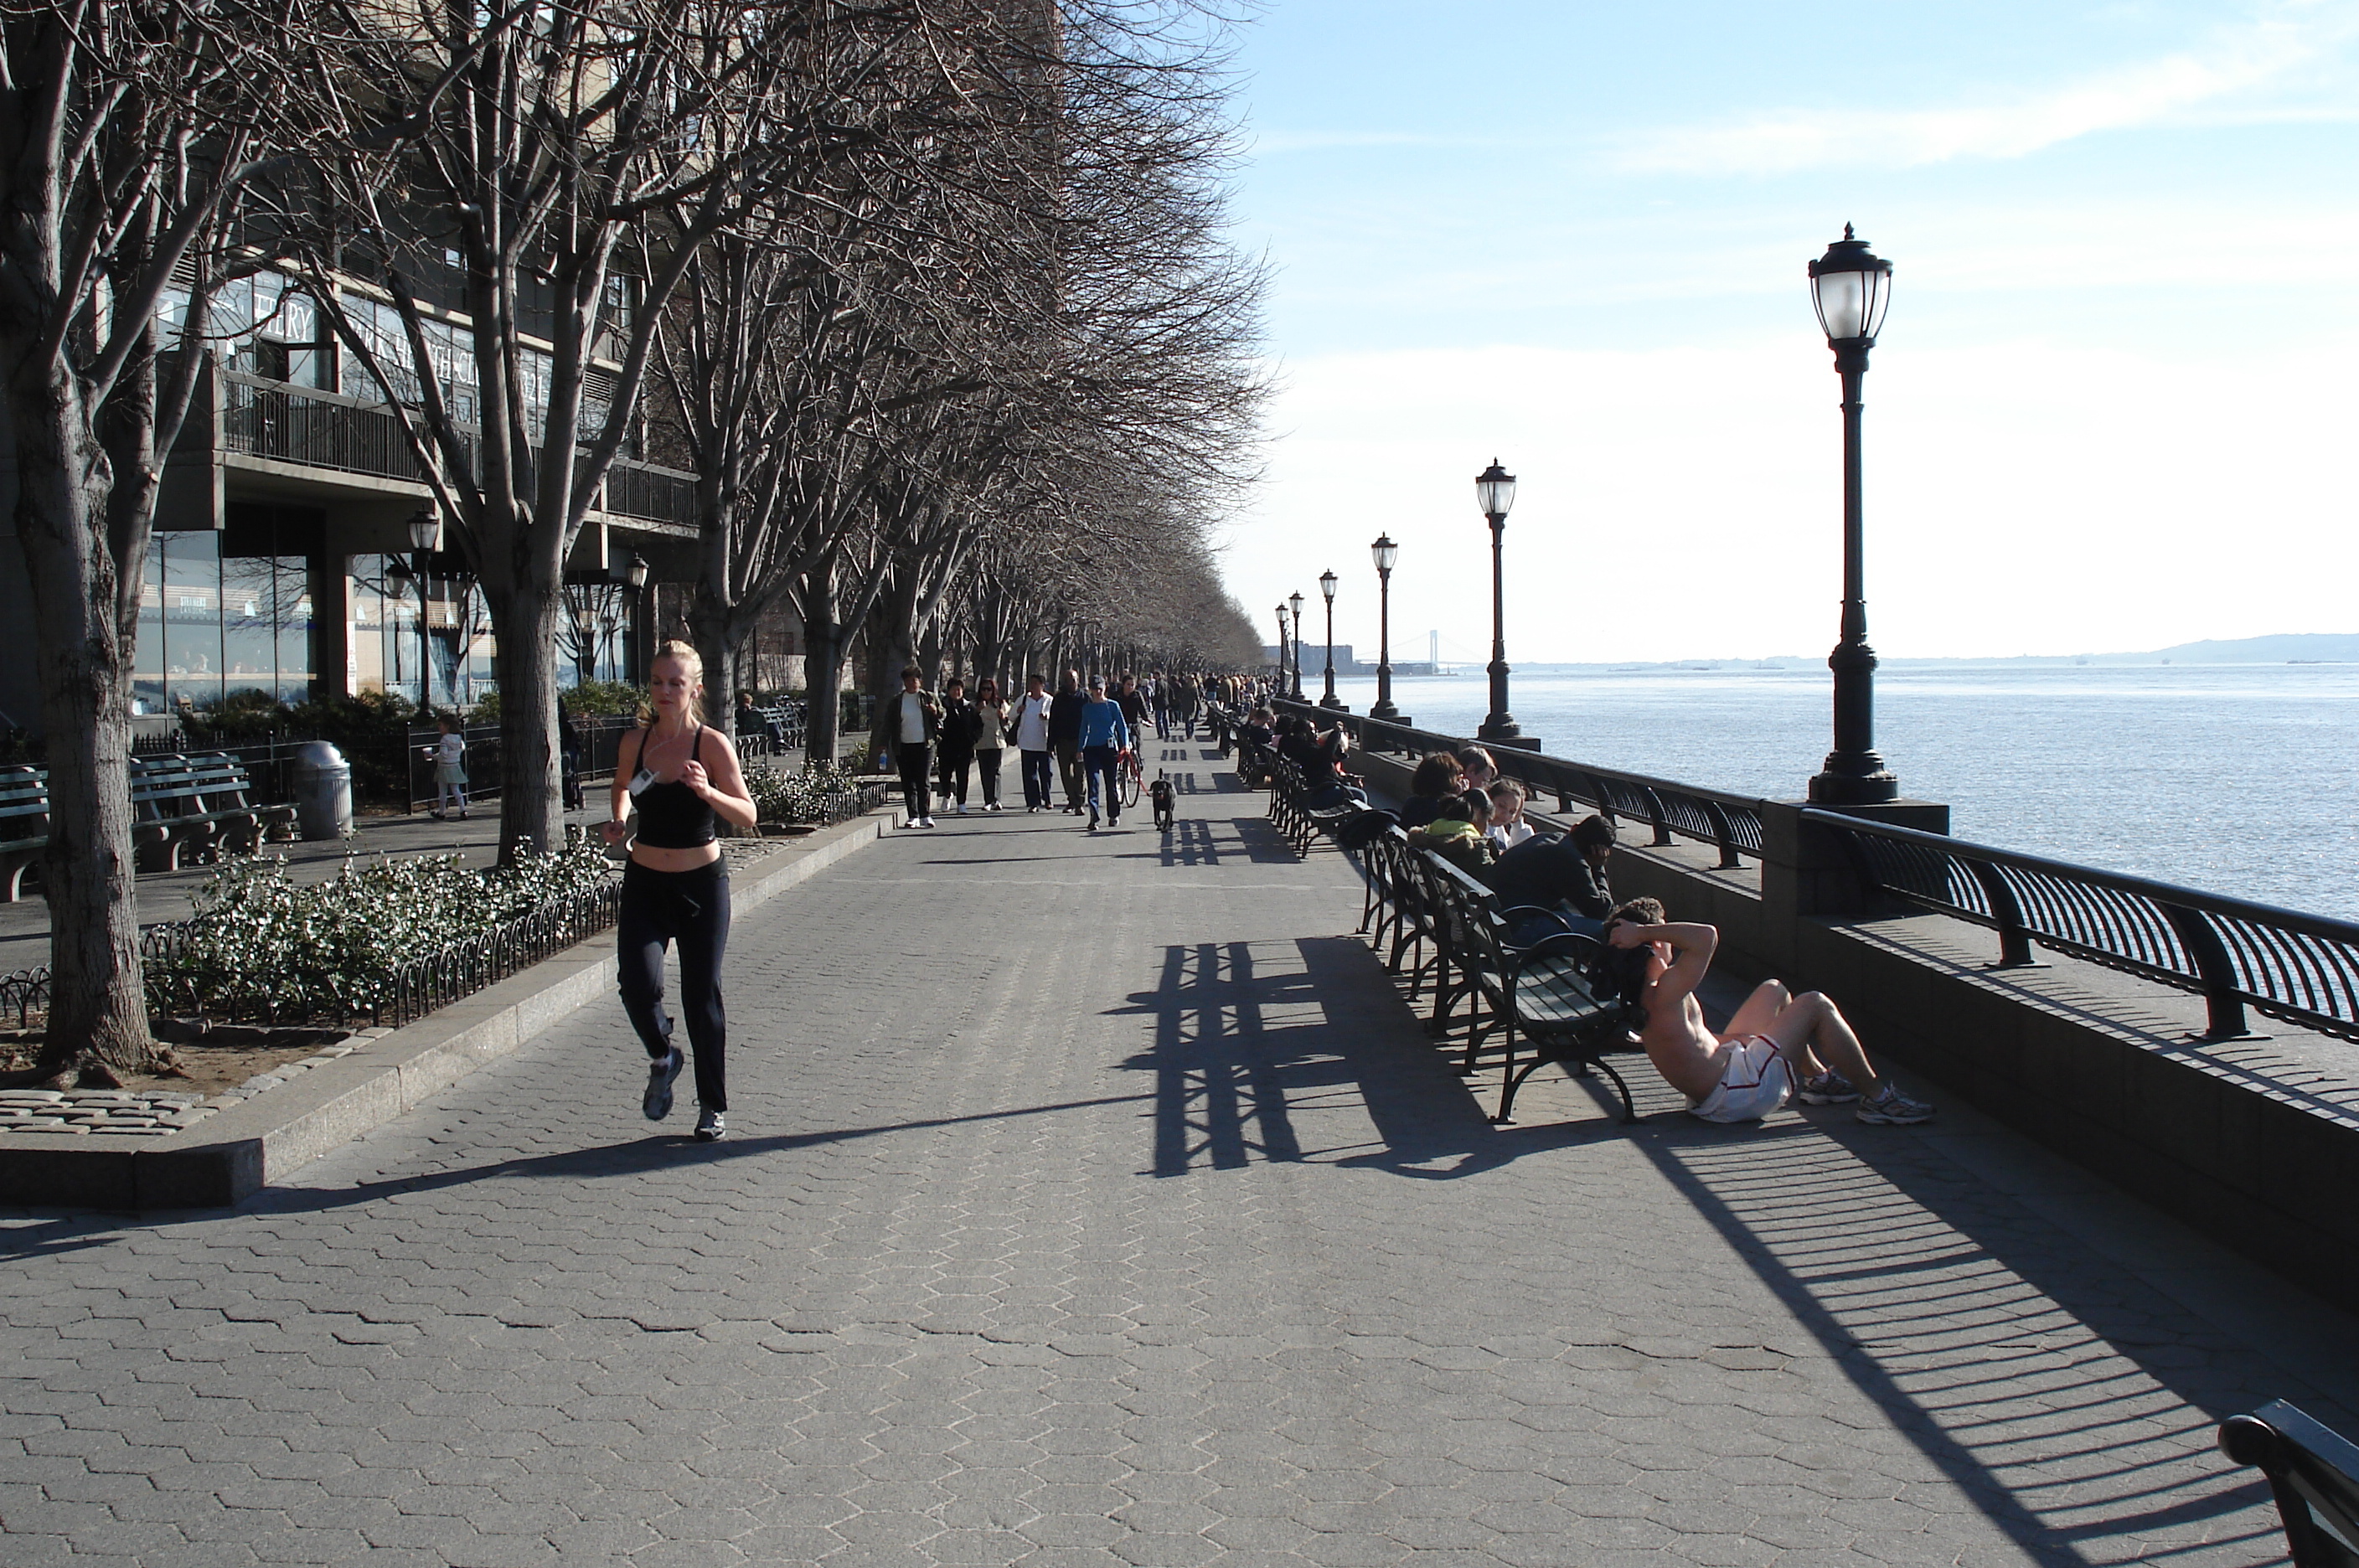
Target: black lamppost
x,y
1385,553
1281,648
425,534
1327,587
1851,288
1296,600
1494,492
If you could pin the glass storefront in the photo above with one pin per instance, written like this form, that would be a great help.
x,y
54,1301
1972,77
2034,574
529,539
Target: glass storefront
x,y
215,624
233,615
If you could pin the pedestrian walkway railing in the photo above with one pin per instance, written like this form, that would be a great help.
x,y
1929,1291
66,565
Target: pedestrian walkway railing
x,y
1730,823
2302,969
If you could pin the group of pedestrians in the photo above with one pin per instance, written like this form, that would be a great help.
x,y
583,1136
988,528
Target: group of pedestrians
x,y
1075,742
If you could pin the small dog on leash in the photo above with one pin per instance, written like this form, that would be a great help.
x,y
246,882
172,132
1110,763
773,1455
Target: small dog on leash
x,y
1163,797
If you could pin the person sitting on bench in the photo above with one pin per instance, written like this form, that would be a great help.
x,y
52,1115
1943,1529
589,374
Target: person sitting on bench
x,y
1775,1044
1565,872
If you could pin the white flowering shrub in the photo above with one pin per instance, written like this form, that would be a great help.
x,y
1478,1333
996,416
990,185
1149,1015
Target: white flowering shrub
x,y
783,796
260,941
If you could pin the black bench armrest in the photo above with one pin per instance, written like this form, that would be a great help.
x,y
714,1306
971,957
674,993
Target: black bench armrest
x,y
2313,1472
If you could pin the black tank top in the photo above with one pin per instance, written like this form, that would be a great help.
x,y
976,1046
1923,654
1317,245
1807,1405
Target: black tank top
x,y
672,816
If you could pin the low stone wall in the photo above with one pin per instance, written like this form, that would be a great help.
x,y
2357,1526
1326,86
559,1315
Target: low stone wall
x,y
2094,1064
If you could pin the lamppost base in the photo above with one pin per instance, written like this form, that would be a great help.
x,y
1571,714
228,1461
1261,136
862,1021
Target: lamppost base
x,y
1854,788
1386,713
1333,704
1500,728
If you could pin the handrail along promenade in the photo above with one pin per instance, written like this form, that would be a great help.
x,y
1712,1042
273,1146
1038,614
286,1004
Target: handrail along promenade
x,y
1729,823
2299,968
2302,969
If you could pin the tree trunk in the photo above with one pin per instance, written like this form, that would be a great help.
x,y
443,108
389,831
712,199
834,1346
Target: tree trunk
x,y
822,668
98,1004
532,800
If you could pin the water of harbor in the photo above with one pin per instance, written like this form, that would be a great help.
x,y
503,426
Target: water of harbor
x,y
2236,779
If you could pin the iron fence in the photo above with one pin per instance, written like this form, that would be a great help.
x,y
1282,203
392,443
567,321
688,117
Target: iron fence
x,y
319,429
2301,969
1730,824
409,992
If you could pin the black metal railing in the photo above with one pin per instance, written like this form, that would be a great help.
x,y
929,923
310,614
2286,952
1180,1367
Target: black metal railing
x,y
653,495
2301,969
1730,824
319,429
314,428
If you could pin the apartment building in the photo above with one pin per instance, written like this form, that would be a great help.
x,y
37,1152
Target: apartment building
x,y
281,563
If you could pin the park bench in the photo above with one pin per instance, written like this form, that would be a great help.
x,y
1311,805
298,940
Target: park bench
x,y
23,825
782,729
195,807
1539,993
2313,1472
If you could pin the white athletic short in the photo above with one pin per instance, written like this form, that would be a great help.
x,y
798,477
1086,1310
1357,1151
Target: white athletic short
x,y
1754,1082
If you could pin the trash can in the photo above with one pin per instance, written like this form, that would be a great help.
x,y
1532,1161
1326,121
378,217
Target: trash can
x,y
323,783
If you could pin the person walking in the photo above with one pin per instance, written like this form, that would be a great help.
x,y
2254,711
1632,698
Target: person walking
x,y
1184,702
450,755
1032,742
909,721
958,742
572,749
1064,733
1104,739
1159,691
679,777
991,739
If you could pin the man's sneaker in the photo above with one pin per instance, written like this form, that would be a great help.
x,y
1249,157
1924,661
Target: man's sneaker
x,y
1893,1108
710,1128
925,822
961,810
1827,1089
660,1073
913,822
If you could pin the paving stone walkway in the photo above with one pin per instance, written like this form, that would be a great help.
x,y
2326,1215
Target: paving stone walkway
x,y
1096,1200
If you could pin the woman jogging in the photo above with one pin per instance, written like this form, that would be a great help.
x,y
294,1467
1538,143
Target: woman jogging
x,y
679,775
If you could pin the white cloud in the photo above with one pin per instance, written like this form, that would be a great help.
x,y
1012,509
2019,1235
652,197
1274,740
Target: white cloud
x,y
2172,88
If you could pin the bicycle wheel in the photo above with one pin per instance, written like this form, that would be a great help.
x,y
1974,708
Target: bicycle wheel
x,y
1129,787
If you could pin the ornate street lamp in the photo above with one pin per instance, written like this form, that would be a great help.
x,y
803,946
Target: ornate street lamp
x,y
1851,288
1281,647
1386,552
425,538
1494,492
1326,586
1296,600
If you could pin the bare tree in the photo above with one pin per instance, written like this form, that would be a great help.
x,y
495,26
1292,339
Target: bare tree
x,y
131,139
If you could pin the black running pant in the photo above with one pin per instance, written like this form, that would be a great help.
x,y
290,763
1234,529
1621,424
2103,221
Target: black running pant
x,y
690,908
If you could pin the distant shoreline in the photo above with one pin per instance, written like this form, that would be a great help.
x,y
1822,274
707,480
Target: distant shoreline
x,y
2285,647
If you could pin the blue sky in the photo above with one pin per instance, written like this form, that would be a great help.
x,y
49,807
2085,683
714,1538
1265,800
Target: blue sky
x,y
2112,406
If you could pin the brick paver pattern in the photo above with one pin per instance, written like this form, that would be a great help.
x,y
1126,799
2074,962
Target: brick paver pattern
x,y
1097,1200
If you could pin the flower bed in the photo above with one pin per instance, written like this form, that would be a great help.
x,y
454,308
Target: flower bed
x,y
820,794
387,939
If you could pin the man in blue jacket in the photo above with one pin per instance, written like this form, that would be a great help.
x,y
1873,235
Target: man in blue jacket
x,y
1104,736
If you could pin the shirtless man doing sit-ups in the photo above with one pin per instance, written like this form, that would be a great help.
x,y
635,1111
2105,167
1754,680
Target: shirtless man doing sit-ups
x,y
1776,1044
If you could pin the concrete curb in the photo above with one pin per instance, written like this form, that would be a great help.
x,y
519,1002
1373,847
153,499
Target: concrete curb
x,y
246,1146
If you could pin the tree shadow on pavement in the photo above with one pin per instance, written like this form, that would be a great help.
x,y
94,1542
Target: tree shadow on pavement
x,y
2069,1402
